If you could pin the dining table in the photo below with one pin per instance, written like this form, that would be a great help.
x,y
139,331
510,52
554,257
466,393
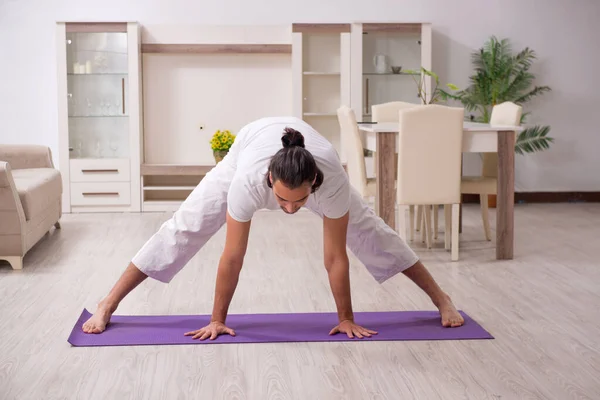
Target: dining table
x,y
477,138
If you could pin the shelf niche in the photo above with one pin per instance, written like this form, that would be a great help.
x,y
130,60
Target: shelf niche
x,y
166,186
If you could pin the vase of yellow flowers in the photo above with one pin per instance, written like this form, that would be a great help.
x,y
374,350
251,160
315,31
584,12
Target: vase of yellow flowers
x,y
220,144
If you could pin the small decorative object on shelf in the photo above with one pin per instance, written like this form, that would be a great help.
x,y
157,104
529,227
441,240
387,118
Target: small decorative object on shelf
x,y
221,143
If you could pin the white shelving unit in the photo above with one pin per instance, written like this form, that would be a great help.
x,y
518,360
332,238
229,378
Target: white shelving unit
x,y
99,115
321,76
407,45
166,186
114,157
199,79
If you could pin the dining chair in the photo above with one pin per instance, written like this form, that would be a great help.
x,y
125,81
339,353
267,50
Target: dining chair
x,y
429,164
388,112
506,113
357,173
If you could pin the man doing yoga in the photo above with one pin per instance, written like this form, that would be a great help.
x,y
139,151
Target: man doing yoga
x,y
275,163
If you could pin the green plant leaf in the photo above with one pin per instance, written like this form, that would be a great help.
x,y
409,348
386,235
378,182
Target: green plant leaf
x,y
452,86
533,139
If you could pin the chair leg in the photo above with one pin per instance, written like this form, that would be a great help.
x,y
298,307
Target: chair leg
x,y
428,233
411,222
448,225
435,221
15,261
455,237
422,223
483,199
401,218
419,217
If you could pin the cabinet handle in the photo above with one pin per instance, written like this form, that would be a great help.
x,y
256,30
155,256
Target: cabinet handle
x,y
100,193
86,171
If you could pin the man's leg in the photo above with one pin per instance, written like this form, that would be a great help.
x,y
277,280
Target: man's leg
x,y
422,278
385,254
128,281
200,216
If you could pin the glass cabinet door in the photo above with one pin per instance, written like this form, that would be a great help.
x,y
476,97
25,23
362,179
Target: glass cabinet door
x,y
97,91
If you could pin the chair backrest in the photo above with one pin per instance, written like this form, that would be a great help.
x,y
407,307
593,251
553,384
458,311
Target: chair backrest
x,y
357,173
429,155
388,112
506,113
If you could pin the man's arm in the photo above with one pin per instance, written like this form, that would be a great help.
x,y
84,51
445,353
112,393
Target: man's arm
x,y
230,265
338,269
337,264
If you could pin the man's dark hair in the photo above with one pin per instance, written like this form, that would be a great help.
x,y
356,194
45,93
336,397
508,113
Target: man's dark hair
x,y
294,165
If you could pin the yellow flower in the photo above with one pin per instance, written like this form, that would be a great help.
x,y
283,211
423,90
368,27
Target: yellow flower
x,y
222,140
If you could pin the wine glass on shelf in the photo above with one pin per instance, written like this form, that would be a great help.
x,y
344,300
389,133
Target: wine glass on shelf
x,y
113,146
99,152
118,106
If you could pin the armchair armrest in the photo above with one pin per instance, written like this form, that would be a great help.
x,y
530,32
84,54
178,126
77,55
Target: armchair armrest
x,y
22,156
12,216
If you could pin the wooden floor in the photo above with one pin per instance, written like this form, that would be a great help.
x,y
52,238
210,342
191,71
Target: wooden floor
x,y
543,309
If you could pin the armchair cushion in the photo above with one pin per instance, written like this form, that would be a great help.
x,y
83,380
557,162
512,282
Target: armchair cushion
x,y
38,188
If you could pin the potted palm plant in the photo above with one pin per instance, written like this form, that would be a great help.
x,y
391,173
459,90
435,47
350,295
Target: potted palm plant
x,y
501,76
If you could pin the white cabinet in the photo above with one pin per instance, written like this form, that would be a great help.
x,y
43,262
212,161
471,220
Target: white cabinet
x,y
321,76
355,65
99,115
378,49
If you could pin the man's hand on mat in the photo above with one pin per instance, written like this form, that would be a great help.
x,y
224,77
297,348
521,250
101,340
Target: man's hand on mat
x,y
211,331
351,329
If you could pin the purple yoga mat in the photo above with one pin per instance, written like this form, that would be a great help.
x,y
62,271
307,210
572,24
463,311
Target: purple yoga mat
x,y
258,328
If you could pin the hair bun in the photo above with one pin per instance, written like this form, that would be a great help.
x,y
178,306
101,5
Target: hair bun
x,y
292,138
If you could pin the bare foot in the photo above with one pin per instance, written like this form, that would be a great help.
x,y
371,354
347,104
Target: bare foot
x,y
450,316
97,322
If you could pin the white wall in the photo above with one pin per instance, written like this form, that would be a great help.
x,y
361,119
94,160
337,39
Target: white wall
x,y
557,30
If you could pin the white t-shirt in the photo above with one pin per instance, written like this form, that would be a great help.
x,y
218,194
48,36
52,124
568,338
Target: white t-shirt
x,y
251,153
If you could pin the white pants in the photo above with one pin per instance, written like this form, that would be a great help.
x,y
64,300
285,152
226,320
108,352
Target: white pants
x,y
203,213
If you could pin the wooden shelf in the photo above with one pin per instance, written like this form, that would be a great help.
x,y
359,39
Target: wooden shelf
x,y
175,169
95,27
216,48
392,28
391,73
321,28
313,114
316,73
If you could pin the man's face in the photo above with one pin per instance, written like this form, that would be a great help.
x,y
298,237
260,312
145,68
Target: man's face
x,y
291,200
